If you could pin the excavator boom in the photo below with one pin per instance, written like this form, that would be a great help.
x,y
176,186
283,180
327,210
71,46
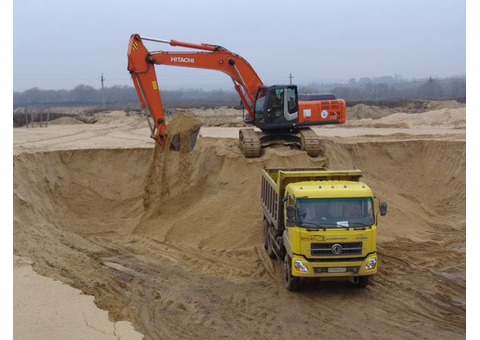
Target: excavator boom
x,y
141,64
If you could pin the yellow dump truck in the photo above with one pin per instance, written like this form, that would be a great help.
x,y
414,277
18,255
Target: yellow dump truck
x,y
321,223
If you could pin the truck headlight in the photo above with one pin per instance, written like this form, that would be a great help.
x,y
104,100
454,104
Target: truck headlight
x,y
299,266
371,264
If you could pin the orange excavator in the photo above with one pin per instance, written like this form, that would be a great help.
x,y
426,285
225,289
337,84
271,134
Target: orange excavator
x,y
278,111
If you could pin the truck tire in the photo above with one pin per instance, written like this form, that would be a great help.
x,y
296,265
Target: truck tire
x,y
265,233
267,243
270,252
291,282
363,281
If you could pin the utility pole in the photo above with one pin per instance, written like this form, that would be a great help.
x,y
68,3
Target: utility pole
x,y
291,77
102,79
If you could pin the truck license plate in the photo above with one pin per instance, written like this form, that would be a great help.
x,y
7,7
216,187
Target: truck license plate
x,y
337,270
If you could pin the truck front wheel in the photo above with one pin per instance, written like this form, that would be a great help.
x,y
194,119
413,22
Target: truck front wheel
x,y
363,281
291,282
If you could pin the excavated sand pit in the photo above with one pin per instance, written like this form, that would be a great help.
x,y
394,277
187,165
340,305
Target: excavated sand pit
x,y
172,241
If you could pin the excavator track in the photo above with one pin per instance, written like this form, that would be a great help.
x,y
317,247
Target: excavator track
x,y
250,143
310,142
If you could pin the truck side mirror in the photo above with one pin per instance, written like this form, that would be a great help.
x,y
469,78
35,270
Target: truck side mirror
x,y
290,215
290,211
383,208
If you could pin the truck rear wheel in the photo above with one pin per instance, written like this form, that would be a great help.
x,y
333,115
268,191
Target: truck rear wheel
x,y
267,243
265,233
291,282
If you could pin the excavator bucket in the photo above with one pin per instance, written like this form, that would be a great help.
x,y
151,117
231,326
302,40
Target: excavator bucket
x,y
183,132
185,141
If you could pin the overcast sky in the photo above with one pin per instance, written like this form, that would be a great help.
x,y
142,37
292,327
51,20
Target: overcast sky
x,y
61,44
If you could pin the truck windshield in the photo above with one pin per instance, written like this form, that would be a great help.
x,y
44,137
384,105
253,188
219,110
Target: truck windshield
x,y
335,212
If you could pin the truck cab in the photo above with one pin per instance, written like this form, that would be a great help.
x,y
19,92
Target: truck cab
x,y
326,227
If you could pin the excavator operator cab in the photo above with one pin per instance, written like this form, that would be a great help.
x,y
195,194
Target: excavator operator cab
x,y
276,107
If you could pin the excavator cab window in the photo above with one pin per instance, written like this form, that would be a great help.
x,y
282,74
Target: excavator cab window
x,y
260,104
276,106
292,99
275,103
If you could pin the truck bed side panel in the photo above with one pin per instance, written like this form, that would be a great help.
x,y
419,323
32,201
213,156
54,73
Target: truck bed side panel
x,y
270,199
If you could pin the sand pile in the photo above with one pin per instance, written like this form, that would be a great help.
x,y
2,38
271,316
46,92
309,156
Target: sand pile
x,y
172,241
362,111
215,112
421,106
455,118
121,118
445,117
64,121
221,116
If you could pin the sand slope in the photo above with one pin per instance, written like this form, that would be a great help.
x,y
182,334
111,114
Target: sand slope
x,y
172,241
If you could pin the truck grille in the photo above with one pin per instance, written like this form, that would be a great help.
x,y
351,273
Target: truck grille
x,y
336,249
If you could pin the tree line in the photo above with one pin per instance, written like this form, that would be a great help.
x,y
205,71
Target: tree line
x,y
125,97
116,96
384,88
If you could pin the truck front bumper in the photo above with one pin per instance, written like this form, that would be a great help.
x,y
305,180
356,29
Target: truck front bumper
x,y
302,267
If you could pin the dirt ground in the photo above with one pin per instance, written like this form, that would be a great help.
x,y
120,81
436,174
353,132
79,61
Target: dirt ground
x,y
172,241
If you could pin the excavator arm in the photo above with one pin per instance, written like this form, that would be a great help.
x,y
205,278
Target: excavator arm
x,y
141,65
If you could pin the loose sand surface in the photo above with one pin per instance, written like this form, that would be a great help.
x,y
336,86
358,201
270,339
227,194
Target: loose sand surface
x,y
171,242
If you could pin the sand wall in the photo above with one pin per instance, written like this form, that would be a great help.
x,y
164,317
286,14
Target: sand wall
x,y
172,242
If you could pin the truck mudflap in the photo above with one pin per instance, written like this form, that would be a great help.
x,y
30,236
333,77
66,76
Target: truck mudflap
x,y
302,267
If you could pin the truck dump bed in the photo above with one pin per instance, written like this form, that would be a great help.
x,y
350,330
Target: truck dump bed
x,y
274,181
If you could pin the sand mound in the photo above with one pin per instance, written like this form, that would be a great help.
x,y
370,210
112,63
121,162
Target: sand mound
x,y
362,111
445,117
213,112
64,121
454,118
111,117
371,112
172,241
220,116
119,118
431,105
